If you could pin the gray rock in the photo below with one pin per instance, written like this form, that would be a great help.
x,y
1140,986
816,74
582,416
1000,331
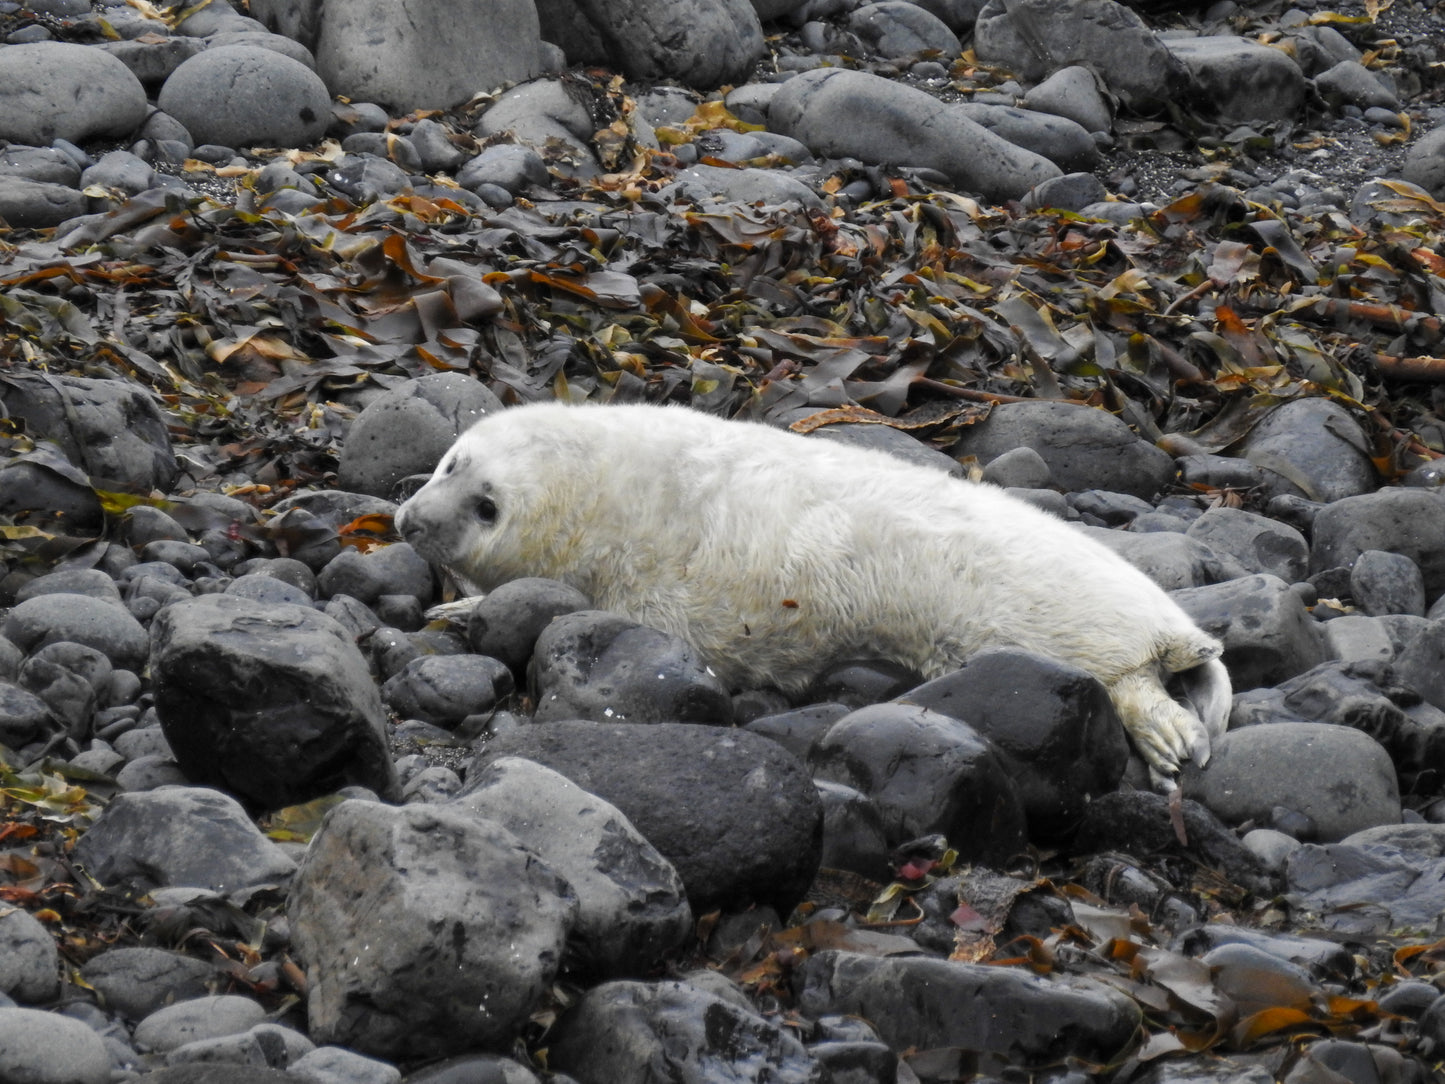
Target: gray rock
x,y
1053,724
510,166
24,717
42,164
1424,165
1084,448
1421,665
854,836
1258,543
1241,80
445,689
337,1065
1071,192
896,28
59,90
926,1003
47,1048
601,666
57,618
152,62
1409,522
1035,38
26,204
261,1045
173,1026
1073,92
540,111
1059,139
1271,847
363,178
377,887
1314,448
1339,777
266,589
436,55
1351,83
29,960
1369,889
434,148
637,1031
242,95
927,773
368,577
837,112
138,838
136,981
408,429
273,702
695,42
1019,468
113,430
121,171
632,909
678,783
1356,638
506,623
261,39
1387,583
704,183
1268,634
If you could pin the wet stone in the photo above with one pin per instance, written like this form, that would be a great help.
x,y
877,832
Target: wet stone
x,y
136,981
678,783
1387,583
632,910
1257,542
376,885
47,1048
926,1003
1058,732
1341,779
1267,632
136,839
273,702
601,666
506,623
445,689
209,1017
29,959
629,1030
926,772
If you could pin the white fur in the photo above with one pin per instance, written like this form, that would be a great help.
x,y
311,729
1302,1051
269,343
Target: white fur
x,y
775,554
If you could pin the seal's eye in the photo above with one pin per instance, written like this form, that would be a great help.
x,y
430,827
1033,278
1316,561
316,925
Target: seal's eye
x,y
487,510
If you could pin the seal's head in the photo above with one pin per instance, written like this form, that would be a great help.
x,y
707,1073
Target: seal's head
x,y
496,506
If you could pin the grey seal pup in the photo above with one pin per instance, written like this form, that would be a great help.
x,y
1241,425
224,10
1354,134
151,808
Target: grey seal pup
x,y
775,555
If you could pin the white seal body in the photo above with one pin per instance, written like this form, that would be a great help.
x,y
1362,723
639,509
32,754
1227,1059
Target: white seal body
x,y
776,555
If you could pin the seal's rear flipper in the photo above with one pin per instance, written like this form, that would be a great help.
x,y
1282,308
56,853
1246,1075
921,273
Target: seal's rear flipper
x,y
1206,690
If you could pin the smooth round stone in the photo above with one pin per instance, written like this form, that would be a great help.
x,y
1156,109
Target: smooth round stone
x,y
244,95
47,1048
60,90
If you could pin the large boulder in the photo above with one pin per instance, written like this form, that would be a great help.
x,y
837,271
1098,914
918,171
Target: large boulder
x,y
733,811
111,429
703,43
425,54
1035,38
837,112
408,430
59,90
273,702
244,95
425,931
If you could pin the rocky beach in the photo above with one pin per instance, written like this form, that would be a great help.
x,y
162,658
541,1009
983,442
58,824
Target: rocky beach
x,y
1171,273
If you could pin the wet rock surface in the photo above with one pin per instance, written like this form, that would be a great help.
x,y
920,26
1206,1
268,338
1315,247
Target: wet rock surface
x,y
1173,275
